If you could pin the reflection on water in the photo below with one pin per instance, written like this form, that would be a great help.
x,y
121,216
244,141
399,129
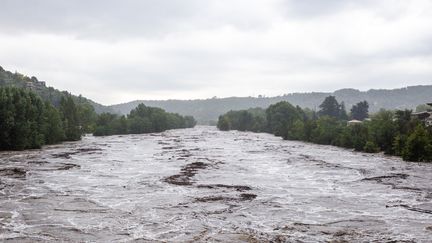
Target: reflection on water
x,y
204,185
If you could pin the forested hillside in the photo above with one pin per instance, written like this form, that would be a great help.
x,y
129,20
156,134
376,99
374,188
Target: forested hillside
x,y
50,94
208,110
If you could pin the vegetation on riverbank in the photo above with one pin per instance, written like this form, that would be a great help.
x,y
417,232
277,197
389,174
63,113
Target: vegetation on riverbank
x,y
392,132
28,122
142,119
32,115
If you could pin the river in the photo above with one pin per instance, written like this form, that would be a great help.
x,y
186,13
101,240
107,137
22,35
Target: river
x,y
203,185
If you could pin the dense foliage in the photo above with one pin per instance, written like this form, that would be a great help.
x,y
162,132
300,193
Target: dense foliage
x,y
27,122
247,120
32,115
142,119
360,111
331,107
69,115
394,133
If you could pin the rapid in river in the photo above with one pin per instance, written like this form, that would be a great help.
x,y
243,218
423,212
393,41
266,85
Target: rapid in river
x,y
202,185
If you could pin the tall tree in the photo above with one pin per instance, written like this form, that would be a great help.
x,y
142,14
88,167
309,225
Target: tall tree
x,y
70,119
404,121
360,111
382,130
281,118
54,128
86,116
330,107
22,119
418,146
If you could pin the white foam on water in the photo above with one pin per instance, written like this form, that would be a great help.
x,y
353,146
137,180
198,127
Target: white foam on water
x,y
201,184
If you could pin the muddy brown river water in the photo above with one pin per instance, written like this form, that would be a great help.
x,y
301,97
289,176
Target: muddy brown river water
x,y
200,184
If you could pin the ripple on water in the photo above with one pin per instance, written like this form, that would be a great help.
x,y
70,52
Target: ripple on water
x,y
205,185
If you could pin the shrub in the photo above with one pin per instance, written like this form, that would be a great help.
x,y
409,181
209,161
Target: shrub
x,y
370,147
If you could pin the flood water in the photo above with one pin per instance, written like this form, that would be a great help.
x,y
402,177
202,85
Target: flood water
x,y
201,184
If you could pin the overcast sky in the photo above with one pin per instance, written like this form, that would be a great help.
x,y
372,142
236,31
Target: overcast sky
x,y
116,51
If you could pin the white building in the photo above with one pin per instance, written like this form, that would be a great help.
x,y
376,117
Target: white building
x,y
353,122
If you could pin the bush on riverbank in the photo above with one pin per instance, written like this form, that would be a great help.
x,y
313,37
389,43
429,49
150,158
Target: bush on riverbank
x,y
392,132
247,120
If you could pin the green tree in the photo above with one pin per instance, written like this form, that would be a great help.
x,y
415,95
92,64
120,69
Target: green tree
x,y
70,118
404,121
22,119
86,117
297,131
353,136
139,125
121,126
53,129
142,119
370,147
360,111
327,130
281,117
223,123
189,121
104,124
382,131
243,120
418,146
330,107
399,144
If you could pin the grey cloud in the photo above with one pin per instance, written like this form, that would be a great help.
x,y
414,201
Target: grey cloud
x,y
317,8
119,19
311,9
112,48
108,18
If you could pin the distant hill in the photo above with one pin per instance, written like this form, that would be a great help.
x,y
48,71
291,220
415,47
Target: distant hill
x,y
208,110
47,93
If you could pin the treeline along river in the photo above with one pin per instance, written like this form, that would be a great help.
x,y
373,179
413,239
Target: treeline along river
x,y
201,184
